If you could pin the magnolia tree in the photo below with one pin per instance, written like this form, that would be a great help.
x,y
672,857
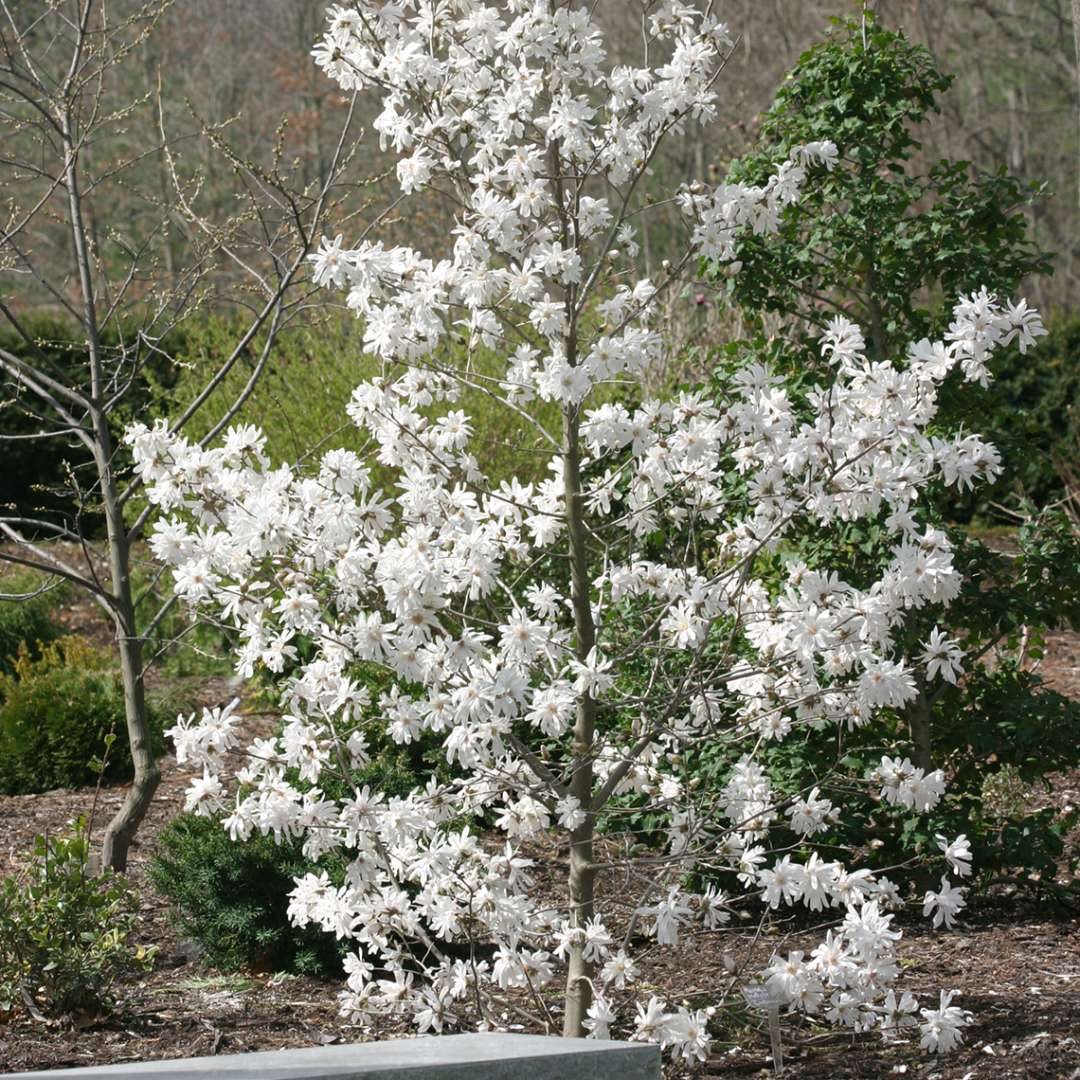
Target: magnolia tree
x,y
566,656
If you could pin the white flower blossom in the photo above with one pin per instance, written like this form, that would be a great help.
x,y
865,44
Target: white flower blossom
x,y
533,632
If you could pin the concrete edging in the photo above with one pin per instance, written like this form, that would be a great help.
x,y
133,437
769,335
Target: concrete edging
x,y
481,1056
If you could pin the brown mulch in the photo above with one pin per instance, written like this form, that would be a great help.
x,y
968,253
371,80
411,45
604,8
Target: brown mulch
x,y
1016,966
1060,669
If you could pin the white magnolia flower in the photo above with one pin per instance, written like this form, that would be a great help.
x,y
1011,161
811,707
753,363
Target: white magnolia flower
x,y
559,645
945,904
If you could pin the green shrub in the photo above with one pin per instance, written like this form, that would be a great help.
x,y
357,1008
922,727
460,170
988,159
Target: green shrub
x,y
37,472
301,396
229,897
1031,413
891,240
65,932
57,712
998,739
28,621
886,236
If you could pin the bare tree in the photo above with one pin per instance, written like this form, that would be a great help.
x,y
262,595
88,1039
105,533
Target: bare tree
x,y
1076,60
94,182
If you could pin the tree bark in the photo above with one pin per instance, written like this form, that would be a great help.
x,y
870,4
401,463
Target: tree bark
x,y
582,873
1076,44
121,830
920,717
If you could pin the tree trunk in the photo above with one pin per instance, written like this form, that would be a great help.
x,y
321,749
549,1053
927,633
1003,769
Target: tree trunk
x,y
582,872
121,830
1076,43
879,345
920,717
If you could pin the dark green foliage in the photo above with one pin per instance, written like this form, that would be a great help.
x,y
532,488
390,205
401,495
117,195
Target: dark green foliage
x,y
892,244
889,243
1031,412
65,932
1028,584
30,621
1002,728
394,770
38,473
54,479
57,713
230,898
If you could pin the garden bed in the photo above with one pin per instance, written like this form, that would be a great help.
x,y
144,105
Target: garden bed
x,y
1016,964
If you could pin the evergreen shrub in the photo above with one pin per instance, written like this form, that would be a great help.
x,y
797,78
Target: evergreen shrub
x,y
230,899
62,720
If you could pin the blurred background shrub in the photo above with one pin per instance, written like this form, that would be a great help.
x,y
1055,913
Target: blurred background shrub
x,y
57,711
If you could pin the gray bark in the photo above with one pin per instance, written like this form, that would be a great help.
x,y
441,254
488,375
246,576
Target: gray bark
x,y
121,830
582,872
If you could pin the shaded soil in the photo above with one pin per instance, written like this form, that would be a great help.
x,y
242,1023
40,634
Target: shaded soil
x,y
1016,965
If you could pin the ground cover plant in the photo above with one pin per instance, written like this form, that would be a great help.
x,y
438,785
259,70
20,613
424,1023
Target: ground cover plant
x,y
66,932
572,641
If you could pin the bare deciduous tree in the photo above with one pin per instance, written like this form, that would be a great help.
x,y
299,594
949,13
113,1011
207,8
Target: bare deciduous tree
x,y
1076,48
84,134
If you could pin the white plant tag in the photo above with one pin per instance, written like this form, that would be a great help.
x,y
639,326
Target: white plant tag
x,y
762,999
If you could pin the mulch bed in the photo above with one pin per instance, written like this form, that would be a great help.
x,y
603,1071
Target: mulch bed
x,y
1015,963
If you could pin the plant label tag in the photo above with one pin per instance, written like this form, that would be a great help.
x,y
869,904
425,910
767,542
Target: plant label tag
x,y
760,997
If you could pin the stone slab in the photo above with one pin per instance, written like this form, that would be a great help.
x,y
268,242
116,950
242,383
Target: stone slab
x,y
481,1056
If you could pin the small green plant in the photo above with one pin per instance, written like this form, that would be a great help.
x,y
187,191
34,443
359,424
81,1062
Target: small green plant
x,y
65,932
29,620
230,899
57,713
